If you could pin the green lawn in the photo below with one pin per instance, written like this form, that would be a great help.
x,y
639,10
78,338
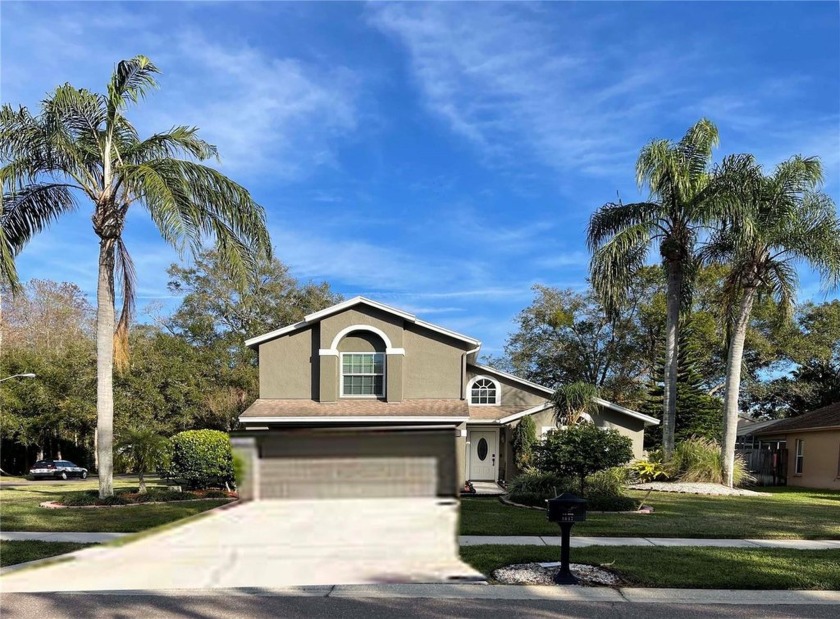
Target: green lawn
x,y
20,511
700,568
12,553
779,513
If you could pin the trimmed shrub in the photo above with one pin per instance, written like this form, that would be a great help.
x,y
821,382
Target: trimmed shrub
x,y
201,459
582,449
700,460
603,489
533,487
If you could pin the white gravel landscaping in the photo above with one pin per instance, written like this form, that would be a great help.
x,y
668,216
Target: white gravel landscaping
x,y
695,488
543,574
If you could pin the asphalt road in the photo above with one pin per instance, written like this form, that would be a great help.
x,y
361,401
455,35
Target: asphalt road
x,y
57,605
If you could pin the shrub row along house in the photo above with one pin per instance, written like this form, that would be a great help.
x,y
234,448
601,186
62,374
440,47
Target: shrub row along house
x,y
366,400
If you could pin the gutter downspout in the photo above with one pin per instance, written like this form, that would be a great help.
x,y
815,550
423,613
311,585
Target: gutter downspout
x,y
464,370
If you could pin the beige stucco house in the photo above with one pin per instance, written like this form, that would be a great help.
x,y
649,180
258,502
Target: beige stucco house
x,y
363,399
812,441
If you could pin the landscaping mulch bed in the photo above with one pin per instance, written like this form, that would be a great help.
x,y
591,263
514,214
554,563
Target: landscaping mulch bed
x,y
90,498
544,573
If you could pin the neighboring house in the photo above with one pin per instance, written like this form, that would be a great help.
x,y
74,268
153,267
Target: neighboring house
x,y
748,434
813,444
365,400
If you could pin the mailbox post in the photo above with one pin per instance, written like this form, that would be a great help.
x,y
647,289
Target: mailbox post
x,y
566,510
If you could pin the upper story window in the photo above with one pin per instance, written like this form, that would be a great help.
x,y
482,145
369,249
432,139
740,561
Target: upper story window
x,y
363,374
484,391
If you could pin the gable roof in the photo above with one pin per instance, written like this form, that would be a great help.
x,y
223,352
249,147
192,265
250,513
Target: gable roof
x,y
825,418
649,421
355,301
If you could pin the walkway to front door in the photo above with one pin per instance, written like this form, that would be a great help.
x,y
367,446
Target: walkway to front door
x,y
483,461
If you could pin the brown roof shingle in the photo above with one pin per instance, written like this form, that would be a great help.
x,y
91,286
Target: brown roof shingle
x,y
265,407
825,417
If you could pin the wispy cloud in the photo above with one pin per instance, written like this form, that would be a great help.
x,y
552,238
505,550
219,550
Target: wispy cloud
x,y
513,82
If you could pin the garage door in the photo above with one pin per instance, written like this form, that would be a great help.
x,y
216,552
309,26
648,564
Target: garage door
x,y
349,464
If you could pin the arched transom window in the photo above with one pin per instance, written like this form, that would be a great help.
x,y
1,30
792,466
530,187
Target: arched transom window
x,y
484,391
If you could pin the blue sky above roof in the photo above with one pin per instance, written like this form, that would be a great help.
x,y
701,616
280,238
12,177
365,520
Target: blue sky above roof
x,y
438,157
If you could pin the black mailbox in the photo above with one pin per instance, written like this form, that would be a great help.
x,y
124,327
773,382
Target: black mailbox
x,y
567,508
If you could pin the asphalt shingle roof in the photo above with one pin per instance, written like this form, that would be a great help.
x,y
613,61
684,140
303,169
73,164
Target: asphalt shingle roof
x,y
825,417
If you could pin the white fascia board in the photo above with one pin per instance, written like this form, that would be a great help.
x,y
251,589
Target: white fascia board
x,y
445,331
340,307
352,419
535,409
649,421
486,368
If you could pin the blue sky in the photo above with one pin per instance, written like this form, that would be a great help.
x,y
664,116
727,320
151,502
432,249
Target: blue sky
x,y
440,157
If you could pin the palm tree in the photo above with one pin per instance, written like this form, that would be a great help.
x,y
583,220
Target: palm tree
x,y
573,401
143,447
773,222
620,236
82,144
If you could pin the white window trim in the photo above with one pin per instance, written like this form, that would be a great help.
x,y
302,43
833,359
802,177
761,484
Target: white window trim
x,y
799,457
378,396
498,401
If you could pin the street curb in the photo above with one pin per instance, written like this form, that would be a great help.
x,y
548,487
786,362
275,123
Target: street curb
x,y
628,595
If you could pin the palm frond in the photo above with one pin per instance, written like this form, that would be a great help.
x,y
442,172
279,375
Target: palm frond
x,y
126,277
130,82
176,142
30,210
615,263
611,218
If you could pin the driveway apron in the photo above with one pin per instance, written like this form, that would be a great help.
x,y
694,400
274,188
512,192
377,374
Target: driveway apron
x,y
274,544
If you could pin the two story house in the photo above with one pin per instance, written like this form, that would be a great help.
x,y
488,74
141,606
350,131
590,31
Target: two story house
x,y
365,400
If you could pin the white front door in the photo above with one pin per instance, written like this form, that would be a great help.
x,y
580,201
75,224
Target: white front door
x,y
483,457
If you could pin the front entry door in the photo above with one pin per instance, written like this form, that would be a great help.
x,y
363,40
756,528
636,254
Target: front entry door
x,y
483,456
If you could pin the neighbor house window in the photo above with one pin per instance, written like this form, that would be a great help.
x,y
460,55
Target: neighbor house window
x,y
800,456
484,391
363,374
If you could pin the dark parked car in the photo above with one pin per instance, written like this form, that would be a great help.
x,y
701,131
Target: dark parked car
x,y
56,469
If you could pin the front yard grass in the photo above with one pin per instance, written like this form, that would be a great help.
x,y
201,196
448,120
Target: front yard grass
x,y
12,553
780,513
20,511
696,568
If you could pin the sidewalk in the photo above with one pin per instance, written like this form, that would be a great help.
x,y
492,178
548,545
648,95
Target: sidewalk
x,y
484,540
580,542
64,536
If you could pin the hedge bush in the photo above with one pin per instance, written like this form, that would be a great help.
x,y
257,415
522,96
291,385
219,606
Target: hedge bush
x,y
201,459
604,490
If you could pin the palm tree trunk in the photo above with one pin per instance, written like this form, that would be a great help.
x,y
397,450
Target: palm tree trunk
x,y
142,488
105,322
673,301
733,384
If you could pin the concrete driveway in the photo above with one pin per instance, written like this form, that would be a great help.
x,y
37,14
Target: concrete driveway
x,y
270,544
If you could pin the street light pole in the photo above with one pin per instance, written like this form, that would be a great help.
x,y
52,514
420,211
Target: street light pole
x,y
27,375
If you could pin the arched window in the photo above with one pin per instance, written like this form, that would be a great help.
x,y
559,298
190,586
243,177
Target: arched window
x,y
362,365
484,391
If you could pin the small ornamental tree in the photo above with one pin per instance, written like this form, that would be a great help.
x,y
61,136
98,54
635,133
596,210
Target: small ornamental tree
x,y
524,439
581,450
143,447
201,459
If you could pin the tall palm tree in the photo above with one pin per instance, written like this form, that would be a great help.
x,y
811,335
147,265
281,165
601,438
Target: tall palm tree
x,y
572,401
620,236
82,145
774,221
